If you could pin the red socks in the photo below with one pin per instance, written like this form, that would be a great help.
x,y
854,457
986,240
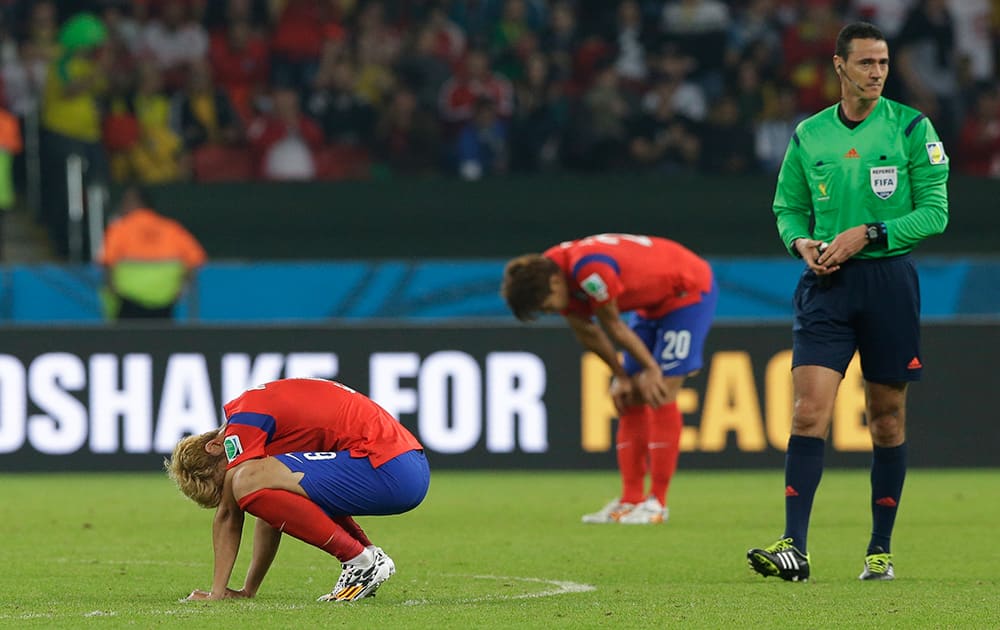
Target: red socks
x,y
631,450
353,529
299,517
664,447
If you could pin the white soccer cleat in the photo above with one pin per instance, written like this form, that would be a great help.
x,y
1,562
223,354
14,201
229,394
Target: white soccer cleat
x,y
648,512
610,513
360,580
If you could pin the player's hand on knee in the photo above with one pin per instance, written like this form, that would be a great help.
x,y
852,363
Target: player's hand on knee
x,y
650,384
622,392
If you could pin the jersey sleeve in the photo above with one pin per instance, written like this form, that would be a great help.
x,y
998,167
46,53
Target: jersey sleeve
x,y
188,246
792,198
247,434
598,276
929,166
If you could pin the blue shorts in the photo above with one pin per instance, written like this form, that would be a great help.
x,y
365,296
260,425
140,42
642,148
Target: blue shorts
x,y
869,305
676,340
349,486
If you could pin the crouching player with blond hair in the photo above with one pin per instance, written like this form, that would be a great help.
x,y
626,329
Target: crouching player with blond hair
x,y
304,456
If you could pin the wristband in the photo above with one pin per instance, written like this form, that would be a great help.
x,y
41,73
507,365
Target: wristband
x,y
792,248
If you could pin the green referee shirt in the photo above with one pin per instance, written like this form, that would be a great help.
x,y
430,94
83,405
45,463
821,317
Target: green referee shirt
x,y
891,168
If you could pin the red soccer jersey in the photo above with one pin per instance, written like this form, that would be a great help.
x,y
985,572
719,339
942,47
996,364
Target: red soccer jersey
x,y
649,275
305,414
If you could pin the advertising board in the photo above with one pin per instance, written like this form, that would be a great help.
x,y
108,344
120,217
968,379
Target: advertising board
x,y
477,397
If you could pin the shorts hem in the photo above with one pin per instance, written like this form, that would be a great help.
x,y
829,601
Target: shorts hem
x,y
835,368
884,380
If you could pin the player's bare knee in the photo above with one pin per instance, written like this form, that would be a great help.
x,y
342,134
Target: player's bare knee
x,y
886,415
810,418
887,428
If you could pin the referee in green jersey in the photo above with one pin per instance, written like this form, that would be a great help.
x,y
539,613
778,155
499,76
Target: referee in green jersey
x,y
862,183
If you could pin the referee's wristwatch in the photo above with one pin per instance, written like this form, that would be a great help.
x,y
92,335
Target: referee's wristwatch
x,y
876,233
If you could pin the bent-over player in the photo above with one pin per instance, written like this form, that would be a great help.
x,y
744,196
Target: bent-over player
x,y
672,295
304,456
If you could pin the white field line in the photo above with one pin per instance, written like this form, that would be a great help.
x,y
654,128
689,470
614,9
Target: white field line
x,y
559,587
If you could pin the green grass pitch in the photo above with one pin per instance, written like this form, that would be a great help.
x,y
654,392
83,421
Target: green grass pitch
x,y
503,550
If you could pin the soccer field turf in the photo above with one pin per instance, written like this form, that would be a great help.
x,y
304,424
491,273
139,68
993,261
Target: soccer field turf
x,y
502,549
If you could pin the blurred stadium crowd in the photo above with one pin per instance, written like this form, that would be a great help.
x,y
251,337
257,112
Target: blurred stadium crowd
x,y
209,90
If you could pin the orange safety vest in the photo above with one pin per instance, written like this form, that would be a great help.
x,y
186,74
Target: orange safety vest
x,y
148,257
144,235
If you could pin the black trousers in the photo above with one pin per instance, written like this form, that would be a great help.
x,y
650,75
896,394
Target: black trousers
x,y
134,310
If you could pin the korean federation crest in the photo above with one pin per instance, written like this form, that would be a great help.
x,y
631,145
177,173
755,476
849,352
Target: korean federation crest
x,y
884,180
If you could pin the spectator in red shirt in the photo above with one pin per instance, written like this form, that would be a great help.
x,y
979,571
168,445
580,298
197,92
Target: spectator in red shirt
x,y
476,80
806,45
297,41
284,142
241,63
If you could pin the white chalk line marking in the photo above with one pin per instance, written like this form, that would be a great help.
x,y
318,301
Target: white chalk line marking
x,y
559,587
562,587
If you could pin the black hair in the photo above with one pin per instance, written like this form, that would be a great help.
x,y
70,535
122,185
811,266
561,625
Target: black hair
x,y
527,283
856,30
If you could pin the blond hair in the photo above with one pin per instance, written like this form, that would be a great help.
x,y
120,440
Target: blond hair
x,y
197,472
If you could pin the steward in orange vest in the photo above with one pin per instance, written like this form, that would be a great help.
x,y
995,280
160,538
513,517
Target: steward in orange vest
x,y
149,259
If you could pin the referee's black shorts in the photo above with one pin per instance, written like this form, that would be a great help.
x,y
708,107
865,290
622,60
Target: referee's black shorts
x,y
869,305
